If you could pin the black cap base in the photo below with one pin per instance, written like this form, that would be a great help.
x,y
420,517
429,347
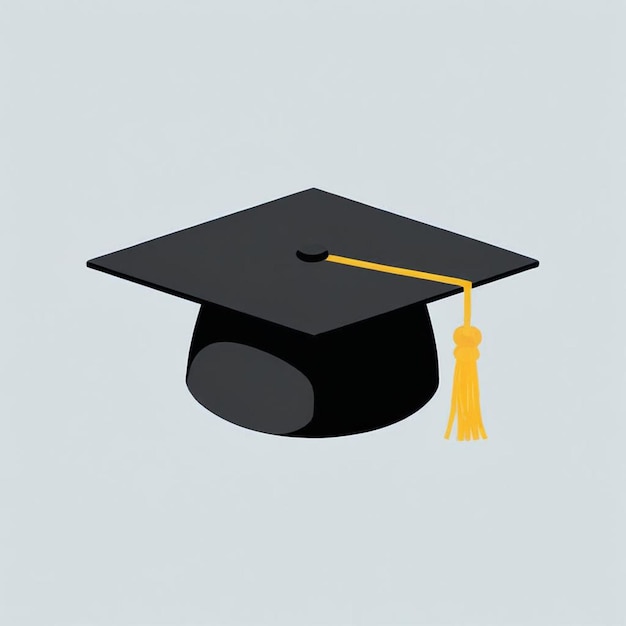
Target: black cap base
x,y
276,380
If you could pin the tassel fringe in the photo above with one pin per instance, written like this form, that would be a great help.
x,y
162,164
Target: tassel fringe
x,y
465,405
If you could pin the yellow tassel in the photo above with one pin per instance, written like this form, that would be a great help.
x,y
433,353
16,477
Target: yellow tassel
x,y
465,393
465,404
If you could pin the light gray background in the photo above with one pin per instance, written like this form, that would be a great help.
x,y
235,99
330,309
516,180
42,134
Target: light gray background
x,y
125,502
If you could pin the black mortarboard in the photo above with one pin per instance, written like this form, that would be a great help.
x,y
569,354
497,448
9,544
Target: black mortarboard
x,y
289,343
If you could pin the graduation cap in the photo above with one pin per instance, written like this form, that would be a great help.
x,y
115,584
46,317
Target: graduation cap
x,y
313,318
